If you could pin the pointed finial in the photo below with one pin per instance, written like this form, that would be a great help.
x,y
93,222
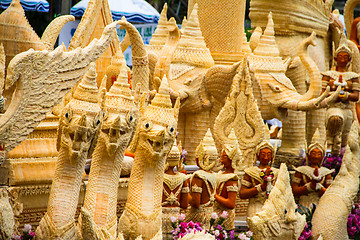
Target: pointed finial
x,y
162,97
267,45
269,30
206,148
87,89
191,48
317,142
161,33
255,38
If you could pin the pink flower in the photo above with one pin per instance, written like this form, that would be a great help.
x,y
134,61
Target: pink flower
x,y
184,224
249,233
191,224
216,233
224,214
27,228
214,215
32,234
173,219
242,236
181,217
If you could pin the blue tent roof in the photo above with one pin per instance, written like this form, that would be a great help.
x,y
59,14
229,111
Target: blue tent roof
x,y
138,11
29,5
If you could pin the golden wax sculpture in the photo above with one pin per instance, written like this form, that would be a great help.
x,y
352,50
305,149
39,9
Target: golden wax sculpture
x,y
154,136
98,215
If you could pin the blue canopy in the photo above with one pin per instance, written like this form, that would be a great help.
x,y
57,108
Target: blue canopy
x,y
29,5
137,11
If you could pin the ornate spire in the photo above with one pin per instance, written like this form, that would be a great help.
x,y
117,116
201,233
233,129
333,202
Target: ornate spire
x,y
161,33
16,33
192,48
267,45
87,89
232,149
162,98
317,142
245,47
174,155
183,24
206,148
119,97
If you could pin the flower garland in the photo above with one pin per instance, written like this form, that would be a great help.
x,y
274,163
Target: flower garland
x,y
217,229
27,234
268,179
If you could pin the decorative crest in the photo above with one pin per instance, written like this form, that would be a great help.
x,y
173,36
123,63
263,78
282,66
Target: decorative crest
x,y
206,152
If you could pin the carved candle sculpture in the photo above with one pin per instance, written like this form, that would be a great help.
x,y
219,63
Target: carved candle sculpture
x,y
227,181
175,191
152,142
203,182
311,181
77,136
257,181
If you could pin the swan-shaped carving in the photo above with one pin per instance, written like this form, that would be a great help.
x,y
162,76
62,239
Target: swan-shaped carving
x,y
41,79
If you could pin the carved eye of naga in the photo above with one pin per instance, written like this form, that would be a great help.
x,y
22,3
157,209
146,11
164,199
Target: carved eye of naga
x,y
97,120
68,116
171,130
147,126
130,119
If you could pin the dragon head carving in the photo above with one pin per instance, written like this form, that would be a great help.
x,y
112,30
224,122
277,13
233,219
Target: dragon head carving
x,y
157,126
81,118
121,115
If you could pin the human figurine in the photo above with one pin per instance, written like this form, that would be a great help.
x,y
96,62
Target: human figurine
x,y
228,182
257,181
175,192
339,116
203,182
311,181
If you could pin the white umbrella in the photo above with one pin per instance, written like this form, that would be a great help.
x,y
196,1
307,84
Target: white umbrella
x,y
138,11
29,5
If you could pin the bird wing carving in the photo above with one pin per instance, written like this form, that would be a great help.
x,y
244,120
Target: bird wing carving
x,y
42,78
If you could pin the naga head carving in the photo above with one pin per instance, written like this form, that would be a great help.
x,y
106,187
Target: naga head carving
x,y
81,118
120,115
157,125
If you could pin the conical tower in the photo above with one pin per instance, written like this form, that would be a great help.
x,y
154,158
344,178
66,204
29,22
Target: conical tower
x,y
16,34
161,33
222,31
191,48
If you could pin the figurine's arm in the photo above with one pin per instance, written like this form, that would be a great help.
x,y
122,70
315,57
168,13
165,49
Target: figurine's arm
x,y
184,197
354,92
247,190
228,202
328,181
196,190
296,188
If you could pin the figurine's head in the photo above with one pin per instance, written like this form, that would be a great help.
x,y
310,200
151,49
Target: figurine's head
x,y
173,158
265,152
157,125
225,160
81,118
265,156
316,151
343,53
206,153
315,156
121,115
232,151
